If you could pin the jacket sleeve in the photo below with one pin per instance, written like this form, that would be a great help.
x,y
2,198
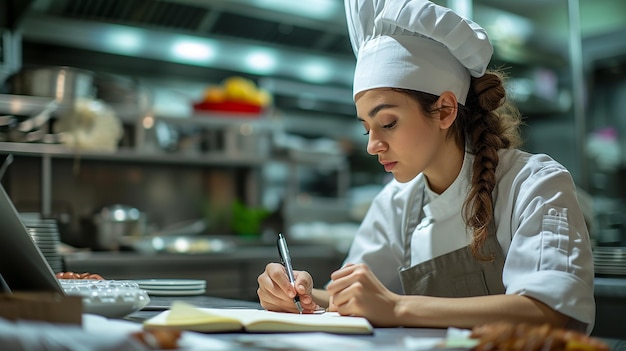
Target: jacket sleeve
x,y
379,241
550,257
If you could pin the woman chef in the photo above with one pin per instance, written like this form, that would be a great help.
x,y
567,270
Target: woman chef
x,y
471,230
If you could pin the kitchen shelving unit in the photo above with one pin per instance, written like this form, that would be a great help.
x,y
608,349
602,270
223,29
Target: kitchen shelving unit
x,y
246,142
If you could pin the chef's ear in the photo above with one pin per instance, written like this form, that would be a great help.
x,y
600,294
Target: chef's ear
x,y
446,105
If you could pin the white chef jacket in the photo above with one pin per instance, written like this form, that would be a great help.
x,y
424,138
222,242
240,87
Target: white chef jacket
x,y
539,226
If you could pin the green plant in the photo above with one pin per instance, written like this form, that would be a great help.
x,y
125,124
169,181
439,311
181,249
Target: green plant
x,y
247,220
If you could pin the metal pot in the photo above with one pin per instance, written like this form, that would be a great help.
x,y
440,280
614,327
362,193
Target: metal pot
x,y
64,84
119,225
124,94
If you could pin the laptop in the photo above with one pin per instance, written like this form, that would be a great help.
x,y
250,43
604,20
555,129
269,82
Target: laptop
x,y
22,265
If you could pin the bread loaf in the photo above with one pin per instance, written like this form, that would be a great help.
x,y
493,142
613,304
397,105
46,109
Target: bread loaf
x,y
72,275
526,337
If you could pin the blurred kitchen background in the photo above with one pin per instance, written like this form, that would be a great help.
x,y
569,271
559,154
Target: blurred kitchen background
x,y
233,119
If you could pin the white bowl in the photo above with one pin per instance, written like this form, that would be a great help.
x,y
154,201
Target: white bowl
x,y
108,298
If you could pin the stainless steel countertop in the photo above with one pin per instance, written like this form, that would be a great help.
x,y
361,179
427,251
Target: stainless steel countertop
x,y
605,286
383,338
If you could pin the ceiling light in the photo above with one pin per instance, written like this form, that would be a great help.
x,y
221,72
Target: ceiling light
x,y
504,27
194,51
261,62
127,41
316,72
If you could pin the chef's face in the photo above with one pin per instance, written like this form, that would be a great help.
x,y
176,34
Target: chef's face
x,y
406,140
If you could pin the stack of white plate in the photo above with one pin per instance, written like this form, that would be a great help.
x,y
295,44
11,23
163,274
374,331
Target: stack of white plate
x,y
45,234
609,260
173,287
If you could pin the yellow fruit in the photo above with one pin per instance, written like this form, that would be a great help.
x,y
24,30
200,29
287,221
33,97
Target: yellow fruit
x,y
214,94
239,89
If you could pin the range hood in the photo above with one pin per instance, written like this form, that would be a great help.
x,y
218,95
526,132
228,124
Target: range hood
x,y
302,40
296,46
213,34
304,57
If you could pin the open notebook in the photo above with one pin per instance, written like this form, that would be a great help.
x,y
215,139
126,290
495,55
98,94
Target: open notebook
x,y
184,316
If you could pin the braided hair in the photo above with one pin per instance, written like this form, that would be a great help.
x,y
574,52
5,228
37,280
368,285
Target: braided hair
x,y
487,123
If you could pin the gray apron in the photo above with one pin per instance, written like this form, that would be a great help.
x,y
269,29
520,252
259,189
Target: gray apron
x,y
457,273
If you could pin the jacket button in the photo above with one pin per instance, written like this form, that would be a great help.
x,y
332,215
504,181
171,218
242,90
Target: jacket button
x,y
425,223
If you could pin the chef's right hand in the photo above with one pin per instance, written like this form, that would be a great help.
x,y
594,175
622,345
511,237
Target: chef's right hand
x,y
276,292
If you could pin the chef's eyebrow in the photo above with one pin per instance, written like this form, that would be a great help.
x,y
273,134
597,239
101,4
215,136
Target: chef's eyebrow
x,y
377,109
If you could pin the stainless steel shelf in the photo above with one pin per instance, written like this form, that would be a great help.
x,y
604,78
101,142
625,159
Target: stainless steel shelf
x,y
23,104
131,155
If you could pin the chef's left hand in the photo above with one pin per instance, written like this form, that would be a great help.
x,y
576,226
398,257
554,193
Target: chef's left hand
x,y
355,290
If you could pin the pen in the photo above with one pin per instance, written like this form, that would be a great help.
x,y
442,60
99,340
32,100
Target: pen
x,y
285,259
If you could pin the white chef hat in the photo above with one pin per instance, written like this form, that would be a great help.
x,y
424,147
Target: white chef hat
x,y
415,44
